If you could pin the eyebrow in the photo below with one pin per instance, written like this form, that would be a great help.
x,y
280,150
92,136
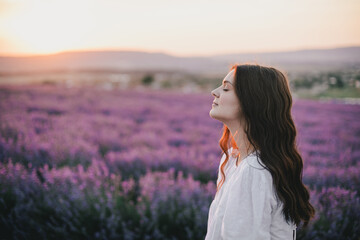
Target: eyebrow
x,y
226,81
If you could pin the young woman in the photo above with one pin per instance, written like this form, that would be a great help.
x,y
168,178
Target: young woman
x,y
260,194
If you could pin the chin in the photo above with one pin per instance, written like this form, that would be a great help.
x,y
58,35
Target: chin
x,y
213,115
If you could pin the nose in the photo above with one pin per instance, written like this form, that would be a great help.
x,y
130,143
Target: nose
x,y
213,92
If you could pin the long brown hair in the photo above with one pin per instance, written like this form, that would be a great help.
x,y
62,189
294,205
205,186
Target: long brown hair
x,y
266,102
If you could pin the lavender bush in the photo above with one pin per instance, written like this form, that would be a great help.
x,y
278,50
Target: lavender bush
x,y
92,164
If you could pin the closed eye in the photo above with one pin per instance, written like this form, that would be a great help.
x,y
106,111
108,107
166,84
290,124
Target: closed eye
x,y
226,90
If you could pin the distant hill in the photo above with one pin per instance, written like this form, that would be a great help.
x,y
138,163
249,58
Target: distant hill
x,y
132,60
302,59
335,55
104,60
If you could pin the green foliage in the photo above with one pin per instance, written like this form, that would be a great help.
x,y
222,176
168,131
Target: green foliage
x,y
346,92
302,83
166,84
147,80
337,80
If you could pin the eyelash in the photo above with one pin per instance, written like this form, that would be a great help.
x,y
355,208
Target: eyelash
x,y
226,90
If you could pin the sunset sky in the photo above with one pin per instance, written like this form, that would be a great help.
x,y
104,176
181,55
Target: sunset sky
x,y
182,28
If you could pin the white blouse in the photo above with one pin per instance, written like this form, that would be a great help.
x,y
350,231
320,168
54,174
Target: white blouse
x,y
245,206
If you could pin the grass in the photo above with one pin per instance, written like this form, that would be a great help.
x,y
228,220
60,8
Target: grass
x,y
346,92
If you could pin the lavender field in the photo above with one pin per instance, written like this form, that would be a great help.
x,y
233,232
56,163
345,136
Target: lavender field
x,y
84,163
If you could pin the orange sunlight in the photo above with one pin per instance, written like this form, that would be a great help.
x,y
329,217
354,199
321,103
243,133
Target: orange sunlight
x,y
42,26
198,27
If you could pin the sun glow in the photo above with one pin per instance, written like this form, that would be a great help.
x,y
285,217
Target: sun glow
x,y
176,27
50,26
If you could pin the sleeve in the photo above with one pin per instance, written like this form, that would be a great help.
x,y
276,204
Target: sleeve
x,y
248,209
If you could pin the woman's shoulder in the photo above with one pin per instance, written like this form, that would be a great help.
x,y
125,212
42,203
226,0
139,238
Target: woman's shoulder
x,y
254,169
252,172
254,161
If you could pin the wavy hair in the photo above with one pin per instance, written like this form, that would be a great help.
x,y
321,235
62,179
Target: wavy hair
x,y
266,102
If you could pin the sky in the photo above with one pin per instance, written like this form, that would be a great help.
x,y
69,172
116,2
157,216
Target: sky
x,y
177,27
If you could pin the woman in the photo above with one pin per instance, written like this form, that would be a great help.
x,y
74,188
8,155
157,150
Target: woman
x,y
260,194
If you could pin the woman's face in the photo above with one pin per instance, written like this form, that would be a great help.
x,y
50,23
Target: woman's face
x,y
226,107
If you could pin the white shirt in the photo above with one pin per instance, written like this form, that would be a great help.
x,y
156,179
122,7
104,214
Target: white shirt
x,y
245,206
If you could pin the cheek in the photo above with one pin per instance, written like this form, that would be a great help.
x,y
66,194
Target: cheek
x,y
230,107
230,102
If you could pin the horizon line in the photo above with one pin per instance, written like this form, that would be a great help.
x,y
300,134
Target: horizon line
x,y
139,50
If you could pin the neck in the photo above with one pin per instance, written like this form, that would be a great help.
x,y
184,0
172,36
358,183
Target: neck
x,y
242,142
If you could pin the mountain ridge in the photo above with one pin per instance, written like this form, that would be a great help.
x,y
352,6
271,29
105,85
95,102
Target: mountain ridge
x,y
133,60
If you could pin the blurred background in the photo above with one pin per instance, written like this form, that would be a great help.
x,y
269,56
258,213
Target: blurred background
x,y
104,124
181,45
